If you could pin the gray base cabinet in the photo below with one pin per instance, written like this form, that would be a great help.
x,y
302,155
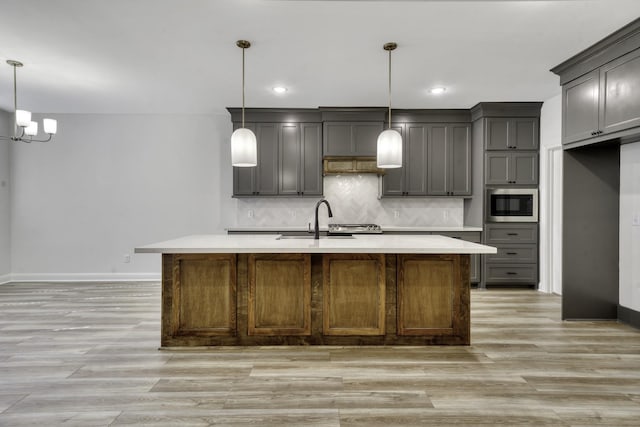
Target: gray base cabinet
x,y
516,262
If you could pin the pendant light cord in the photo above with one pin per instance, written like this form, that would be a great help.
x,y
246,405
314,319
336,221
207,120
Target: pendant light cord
x,y
389,89
243,87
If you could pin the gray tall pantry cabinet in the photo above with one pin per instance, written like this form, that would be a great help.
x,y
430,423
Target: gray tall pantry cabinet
x,y
511,139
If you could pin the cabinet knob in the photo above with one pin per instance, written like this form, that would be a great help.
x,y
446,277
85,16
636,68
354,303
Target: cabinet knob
x,y
512,273
512,253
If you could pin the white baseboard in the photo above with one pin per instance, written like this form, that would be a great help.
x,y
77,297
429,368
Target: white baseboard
x,y
6,278
82,277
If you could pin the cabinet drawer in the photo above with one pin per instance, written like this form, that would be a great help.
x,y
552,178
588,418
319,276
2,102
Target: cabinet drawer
x,y
469,236
501,273
511,233
514,254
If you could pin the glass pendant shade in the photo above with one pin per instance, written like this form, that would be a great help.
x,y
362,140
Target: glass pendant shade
x,y
244,148
23,118
32,129
389,149
50,126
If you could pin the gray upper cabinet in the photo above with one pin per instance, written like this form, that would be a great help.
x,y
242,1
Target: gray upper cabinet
x,y
507,168
436,161
602,101
449,160
351,139
620,100
300,148
262,179
393,181
512,133
580,100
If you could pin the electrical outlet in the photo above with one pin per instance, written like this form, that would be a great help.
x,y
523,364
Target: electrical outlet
x,y
126,259
250,213
636,220
396,213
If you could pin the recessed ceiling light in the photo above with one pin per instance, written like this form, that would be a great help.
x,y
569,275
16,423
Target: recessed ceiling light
x,y
279,89
439,90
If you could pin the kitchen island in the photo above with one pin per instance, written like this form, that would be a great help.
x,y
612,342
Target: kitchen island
x,y
294,290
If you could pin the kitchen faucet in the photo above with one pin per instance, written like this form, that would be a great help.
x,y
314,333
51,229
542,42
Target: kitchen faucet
x,y
317,228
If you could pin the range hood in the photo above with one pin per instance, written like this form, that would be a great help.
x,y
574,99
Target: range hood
x,y
350,165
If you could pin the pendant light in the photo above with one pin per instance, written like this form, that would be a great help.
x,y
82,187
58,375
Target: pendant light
x,y
24,128
244,146
389,141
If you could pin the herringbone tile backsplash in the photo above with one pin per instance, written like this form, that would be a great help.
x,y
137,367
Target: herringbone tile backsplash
x,y
353,199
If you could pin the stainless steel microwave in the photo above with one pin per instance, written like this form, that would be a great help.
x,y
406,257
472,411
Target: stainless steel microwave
x,y
512,205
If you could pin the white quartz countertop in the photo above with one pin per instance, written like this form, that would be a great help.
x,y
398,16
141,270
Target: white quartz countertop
x,y
391,244
389,228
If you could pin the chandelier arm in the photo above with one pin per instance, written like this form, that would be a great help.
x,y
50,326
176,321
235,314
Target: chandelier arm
x,y
37,140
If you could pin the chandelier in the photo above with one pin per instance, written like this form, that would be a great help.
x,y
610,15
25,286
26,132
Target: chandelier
x,y
24,128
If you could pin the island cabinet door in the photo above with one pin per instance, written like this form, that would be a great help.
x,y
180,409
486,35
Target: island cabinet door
x,y
279,294
353,294
431,291
203,291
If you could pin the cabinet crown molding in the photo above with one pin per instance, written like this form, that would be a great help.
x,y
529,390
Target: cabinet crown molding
x,y
616,44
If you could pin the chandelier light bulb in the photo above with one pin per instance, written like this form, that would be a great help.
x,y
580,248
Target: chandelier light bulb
x,y
32,129
23,118
50,126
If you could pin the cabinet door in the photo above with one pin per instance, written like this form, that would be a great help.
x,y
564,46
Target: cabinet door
x,y
416,155
393,180
496,168
365,138
279,300
337,139
290,155
580,99
351,138
428,294
523,168
459,160
620,89
311,174
437,157
524,133
244,179
497,134
267,169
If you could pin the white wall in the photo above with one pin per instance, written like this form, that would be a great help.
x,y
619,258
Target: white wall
x,y
630,226
109,183
5,198
550,210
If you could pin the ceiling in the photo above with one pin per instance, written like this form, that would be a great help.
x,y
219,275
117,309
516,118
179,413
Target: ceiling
x,y
170,56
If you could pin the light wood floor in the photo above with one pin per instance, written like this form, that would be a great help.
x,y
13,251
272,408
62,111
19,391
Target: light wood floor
x,y
87,354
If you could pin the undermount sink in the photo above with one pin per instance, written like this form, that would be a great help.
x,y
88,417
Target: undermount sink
x,y
310,237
